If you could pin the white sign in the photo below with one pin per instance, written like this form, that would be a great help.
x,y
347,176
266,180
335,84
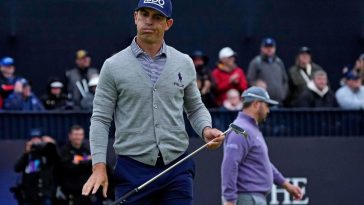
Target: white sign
x,y
285,198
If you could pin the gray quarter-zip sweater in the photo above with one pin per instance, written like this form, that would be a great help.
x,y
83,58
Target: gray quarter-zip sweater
x,y
148,118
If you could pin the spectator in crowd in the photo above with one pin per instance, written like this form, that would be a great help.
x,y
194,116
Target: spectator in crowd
x,y
351,95
204,79
300,74
270,68
260,83
23,98
7,78
88,99
74,169
55,99
247,173
317,93
233,101
79,76
228,75
36,166
359,67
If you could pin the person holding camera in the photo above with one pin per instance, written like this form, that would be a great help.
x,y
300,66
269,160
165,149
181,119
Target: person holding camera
x,y
36,166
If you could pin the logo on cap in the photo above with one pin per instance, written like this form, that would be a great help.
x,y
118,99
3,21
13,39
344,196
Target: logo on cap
x,y
159,3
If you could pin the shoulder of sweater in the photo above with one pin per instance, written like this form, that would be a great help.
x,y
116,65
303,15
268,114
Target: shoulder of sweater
x,y
126,52
178,55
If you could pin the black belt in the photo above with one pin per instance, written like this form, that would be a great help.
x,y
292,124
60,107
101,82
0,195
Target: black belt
x,y
159,160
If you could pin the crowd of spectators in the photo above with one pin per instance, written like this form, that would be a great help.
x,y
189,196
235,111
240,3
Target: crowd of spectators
x,y
304,84
73,91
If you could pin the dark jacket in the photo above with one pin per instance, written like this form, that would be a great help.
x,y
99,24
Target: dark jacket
x,y
37,171
74,176
54,102
7,86
297,83
311,97
15,101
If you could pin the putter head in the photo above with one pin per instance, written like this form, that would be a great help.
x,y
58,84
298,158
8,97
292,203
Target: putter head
x,y
238,130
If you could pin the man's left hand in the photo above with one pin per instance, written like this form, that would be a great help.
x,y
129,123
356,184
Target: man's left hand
x,y
295,191
213,136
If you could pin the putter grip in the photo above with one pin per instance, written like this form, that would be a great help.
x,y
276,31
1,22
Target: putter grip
x,y
122,199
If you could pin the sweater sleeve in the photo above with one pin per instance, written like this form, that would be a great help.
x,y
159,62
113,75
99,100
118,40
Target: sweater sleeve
x,y
235,149
102,115
196,111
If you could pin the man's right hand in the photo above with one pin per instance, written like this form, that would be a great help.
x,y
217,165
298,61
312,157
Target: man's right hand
x,y
229,203
98,178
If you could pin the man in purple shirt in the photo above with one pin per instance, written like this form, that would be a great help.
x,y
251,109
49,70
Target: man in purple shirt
x,y
247,173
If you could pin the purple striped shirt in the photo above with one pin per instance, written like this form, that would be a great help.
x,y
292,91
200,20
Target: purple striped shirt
x,y
153,67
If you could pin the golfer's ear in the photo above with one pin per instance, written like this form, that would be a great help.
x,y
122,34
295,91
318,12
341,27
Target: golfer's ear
x,y
169,24
135,16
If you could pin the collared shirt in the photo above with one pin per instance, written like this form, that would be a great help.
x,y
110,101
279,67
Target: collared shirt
x,y
349,99
153,67
246,167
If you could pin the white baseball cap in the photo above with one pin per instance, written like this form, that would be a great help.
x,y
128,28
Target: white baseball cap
x,y
226,53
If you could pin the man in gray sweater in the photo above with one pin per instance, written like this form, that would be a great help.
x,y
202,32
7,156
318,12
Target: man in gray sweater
x,y
270,68
146,87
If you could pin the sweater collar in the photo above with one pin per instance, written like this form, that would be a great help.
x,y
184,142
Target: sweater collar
x,y
137,51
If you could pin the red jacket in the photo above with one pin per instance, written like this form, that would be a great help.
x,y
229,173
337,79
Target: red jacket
x,y
223,84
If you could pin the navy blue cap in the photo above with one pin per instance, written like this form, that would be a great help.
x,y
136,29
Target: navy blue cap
x,y
163,6
7,61
304,49
257,93
200,54
268,42
351,75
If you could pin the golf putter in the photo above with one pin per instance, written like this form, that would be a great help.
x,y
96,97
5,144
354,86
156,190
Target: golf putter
x,y
232,127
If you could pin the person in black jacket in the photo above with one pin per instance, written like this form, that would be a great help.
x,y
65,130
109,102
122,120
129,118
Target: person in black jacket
x,y
75,168
55,99
317,93
36,165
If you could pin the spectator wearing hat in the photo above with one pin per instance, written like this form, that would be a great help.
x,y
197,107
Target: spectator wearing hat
x,y
300,74
317,93
227,75
351,95
270,68
7,77
23,98
247,173
55,99
359,67
204,79
80,75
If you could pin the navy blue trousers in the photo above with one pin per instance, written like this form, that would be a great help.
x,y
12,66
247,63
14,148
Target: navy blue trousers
x,y
173,188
